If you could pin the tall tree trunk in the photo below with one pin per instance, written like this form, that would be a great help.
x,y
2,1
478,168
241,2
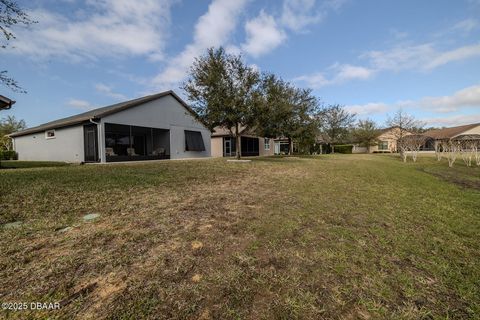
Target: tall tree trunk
x,y
237,142
290,146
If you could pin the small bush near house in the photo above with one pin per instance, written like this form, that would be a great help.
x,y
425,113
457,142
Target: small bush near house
x,y
382,151
343,148
8,155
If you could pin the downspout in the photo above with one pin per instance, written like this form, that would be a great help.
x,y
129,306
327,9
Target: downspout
x,y
91,121
99,138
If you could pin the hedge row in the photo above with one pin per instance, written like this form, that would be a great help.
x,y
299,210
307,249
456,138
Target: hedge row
x,y
343,148
8,155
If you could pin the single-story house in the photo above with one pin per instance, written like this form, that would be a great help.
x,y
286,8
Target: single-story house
x,y
158,126
386,141
5,103
466,132
224,144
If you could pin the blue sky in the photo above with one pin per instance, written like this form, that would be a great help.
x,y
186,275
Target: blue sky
x,y
373,56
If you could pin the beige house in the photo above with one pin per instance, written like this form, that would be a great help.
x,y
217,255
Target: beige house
x,y
386,141
223,144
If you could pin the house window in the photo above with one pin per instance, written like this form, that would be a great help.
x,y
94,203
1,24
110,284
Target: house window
x,y
383,145
50,134
194,141
267,144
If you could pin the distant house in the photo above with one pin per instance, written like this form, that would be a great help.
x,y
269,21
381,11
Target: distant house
x,y
159,126
466,132
386,141
5,103
224,144
387,138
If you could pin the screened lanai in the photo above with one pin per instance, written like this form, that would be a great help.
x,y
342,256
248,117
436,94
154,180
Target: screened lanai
x,y
134,143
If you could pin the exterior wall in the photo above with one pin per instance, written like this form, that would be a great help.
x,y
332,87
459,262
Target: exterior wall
x,y
357,149
261,147
217,147
164,113
66,146
389,136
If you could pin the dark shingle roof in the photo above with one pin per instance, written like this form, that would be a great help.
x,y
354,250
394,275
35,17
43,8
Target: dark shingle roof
x,y
449,133
101,112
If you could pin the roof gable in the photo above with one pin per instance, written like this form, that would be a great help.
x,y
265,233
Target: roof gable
x,y
102,112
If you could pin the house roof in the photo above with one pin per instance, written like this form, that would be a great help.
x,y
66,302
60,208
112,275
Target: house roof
x,y
5,103
102,112
449,133
220,131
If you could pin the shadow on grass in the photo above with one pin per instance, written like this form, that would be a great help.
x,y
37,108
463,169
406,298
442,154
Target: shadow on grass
x,y
16,164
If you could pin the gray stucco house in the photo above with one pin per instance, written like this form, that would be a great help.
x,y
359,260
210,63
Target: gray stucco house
x,y
159,126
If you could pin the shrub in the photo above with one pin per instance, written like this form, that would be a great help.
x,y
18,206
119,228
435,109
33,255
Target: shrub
x,y
8,155
382,151
343,148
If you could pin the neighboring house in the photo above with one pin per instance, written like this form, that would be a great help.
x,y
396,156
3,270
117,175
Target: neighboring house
x,y
5,103
159,126
466,132
224,144
386,141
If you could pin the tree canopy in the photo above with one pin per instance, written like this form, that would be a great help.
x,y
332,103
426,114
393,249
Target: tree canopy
x,y
287,112
335,123
225,91
8,125
405,124
366,133
11,14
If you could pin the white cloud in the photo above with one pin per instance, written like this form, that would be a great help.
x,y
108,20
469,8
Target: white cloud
x,y
340,73
460,101
454,55
314,80
367,109
108,91
420,57
452,120
297,14
213,29
466,25
464,98
400,58
80,104
346,72
111,28
263,35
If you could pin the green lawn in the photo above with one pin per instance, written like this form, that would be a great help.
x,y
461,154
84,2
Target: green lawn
x,y
334,237
16,164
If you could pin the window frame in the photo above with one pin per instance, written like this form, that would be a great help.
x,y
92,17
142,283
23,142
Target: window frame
x,y
381,144
50,137
266,145
201,146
